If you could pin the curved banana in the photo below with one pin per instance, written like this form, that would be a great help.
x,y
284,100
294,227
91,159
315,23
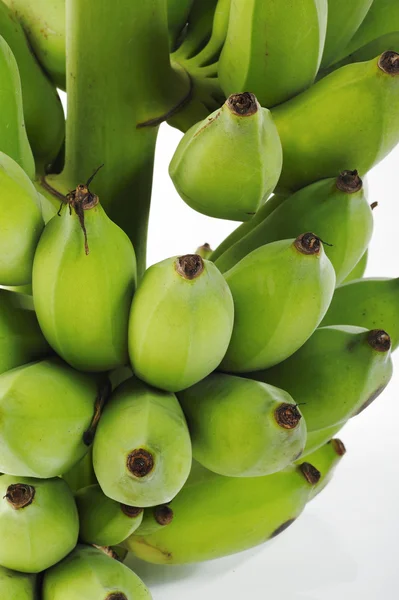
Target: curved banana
x,y
84,292
272,49
43,112
13,139
344,19
21,223
370,303
358,270
18,586
360,130
316,439
217,516
44,25
265,437
336,209
181,322
21,340
227,165
281,292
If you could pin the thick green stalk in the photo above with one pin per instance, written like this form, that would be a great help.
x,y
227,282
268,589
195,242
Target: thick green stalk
x,y
120,86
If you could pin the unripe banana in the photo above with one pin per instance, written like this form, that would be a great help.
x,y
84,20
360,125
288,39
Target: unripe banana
x,y
180,322
359,270
318,438
325,459
155,518
204,251
89,574
43,113
142,448
336,374
13,139
211,52
21,223
265,210
237,438
18,586
82,473
216,516
272,49
178,11
21,340
370,303
227,165
39,523
344,19
336,209
281,292
84,277
103,521
47,427
361,128
44,25
199,30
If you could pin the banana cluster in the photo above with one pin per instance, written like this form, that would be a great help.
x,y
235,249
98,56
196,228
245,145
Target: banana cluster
x,y
190,412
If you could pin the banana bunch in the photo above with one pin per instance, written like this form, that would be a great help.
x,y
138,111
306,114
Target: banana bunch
x,y
186,411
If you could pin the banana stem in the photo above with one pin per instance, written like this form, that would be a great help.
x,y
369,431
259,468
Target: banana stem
x,y
120,86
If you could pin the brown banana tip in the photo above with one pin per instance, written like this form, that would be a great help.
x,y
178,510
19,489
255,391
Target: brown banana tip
x,y
379,340
20,495
287,416
338,446
389,63
308,243
140,463
349,182
190,266
311,474
116,596
131,511
243,105
163,514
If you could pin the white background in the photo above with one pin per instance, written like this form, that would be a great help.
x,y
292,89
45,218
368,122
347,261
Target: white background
x,y
345,545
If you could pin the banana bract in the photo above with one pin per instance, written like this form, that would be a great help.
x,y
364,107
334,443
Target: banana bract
x,y
21,223
46,407
370,303
21,340
338,372
18,586
180,322
336,209
227,165
216,516
237,438
39,523
13,139
44,116
142,448
281,292
103,521
84,277
272,49
361,128
44,25
89,574
344,19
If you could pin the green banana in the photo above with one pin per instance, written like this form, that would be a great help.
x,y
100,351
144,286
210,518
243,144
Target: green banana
x,y
370,303
216,516
361,128
211,52
199,30
39,523
82,474
13,138
18,586
316,439
358,270
84,276
43,113
142,448
21,340
281,292
344,19
178,11
325,459
154,519
103,521
44,25
338,372
382,19
239,439
21,223
204,251
336,209
272,49
228,165
265,210
89,574
180,322
46,428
